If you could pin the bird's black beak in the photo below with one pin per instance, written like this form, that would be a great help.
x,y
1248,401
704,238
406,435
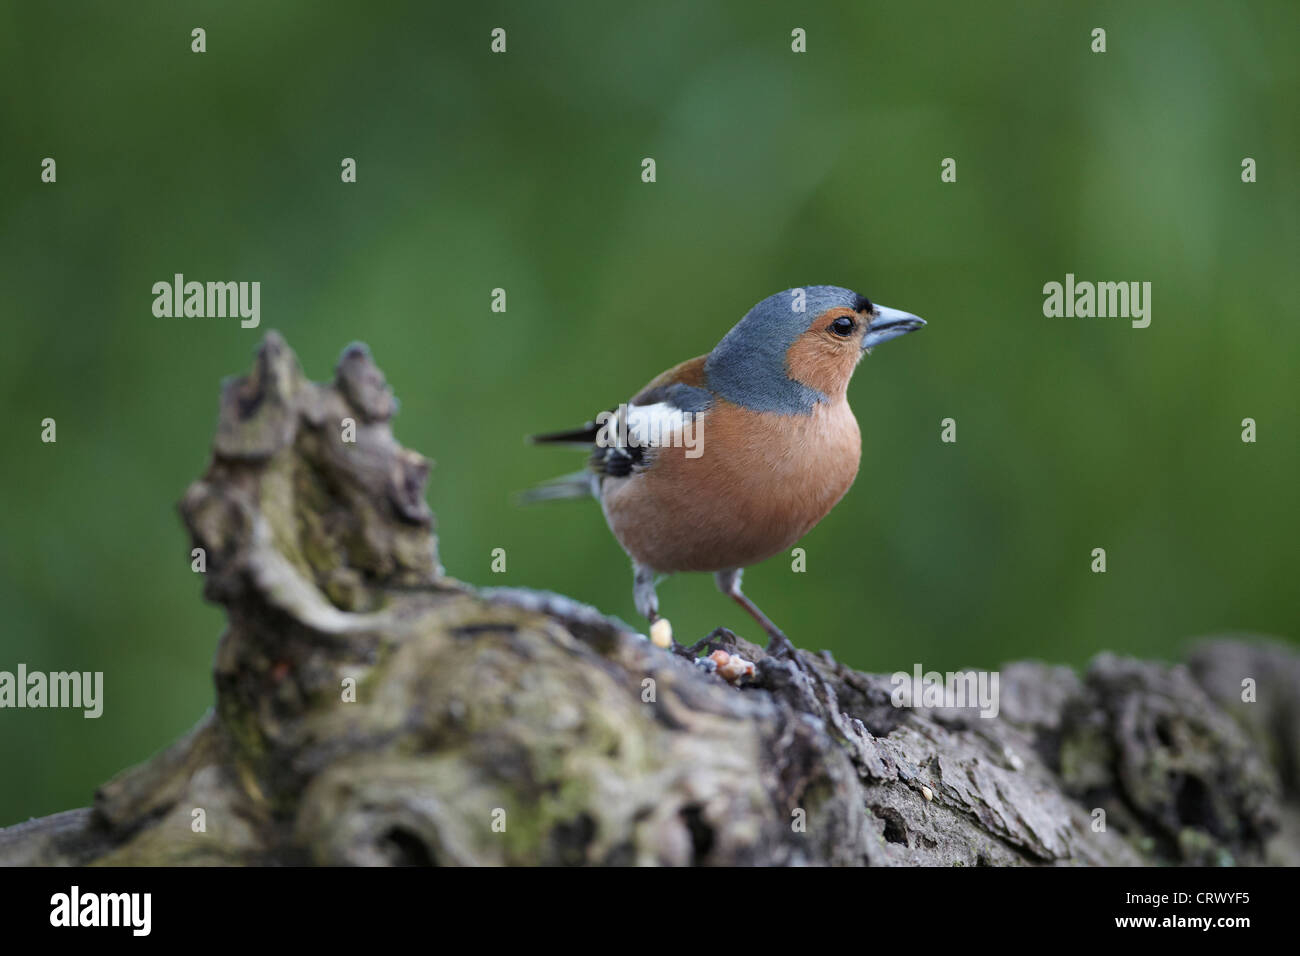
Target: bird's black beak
x,y
889,324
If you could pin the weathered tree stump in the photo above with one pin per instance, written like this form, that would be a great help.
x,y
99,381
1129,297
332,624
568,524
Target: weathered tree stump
x,y
476,709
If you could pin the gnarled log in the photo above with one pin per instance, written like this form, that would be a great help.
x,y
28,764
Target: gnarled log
x,y
371,710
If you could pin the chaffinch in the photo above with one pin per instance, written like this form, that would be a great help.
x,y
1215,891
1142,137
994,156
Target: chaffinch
x,y
731,457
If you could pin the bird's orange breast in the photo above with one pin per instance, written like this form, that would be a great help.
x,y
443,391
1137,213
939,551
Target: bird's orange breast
x,y
761,482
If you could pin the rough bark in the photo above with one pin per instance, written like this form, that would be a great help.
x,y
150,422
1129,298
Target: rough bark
x,y
477,708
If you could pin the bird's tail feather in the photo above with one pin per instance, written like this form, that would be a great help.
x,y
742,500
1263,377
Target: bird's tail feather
x,y
574,436
576,485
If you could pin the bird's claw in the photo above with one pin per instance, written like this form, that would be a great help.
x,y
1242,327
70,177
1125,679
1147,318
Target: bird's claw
x,y
778,645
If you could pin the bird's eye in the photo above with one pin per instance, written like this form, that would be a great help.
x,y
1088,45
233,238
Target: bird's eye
x,y
843,326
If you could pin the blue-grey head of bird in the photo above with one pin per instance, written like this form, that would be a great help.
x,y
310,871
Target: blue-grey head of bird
x,y
799,347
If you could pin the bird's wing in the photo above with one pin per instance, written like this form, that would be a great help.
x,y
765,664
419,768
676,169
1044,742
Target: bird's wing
x,y
690,372
622,436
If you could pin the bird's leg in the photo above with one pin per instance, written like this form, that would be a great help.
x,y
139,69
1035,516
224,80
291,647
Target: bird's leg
x,y
647,605
781,646
778,644
643,592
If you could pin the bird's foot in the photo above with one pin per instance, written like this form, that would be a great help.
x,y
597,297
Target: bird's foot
x,y
778,645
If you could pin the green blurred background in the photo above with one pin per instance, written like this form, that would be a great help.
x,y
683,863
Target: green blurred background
x,y
522,171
